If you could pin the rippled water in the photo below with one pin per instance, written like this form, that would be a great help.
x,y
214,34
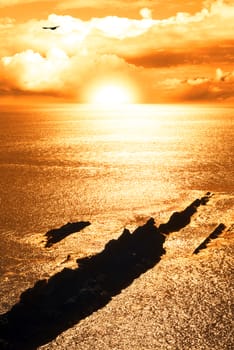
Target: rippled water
x,y
112,167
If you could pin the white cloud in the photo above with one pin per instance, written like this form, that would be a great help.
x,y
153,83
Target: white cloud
x,y
146,13
6,22
224,76
30,71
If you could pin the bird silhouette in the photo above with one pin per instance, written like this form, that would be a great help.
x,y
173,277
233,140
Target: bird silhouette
x,y
51,28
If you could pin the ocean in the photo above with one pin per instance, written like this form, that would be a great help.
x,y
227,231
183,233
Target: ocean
x,y
113,168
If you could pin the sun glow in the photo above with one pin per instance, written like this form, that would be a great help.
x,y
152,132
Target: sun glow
x,y
110,94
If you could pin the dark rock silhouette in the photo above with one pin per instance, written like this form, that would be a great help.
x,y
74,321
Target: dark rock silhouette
x,y
54,305
215,234
56,235
178,220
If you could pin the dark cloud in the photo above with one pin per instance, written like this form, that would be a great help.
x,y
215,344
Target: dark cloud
x,y
160,59
215,54
218,89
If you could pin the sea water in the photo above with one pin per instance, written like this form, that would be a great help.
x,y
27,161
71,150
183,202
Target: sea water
x,y
113,167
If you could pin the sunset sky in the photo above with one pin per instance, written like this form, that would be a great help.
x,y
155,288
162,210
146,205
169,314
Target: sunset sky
x,y
144,51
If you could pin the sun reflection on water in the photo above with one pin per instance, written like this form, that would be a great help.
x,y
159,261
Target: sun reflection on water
x,y
133,121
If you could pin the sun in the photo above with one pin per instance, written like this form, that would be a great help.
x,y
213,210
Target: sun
x,y
111,94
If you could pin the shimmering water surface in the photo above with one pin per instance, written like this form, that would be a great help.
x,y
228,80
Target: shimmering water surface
x,y
111,167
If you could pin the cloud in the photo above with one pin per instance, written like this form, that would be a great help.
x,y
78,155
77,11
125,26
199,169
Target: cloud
x,y
103,4
218,88
58,74
29,71
6,22
81,4
65,61
170,57
211,24
146,13
224,76
8,3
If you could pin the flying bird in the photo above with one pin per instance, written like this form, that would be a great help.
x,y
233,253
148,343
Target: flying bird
x,y
51,28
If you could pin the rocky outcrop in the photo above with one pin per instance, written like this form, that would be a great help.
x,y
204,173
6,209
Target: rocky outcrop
x,y
56,235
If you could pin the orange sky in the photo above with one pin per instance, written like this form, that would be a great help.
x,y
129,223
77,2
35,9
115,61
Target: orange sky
x,y
162,51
